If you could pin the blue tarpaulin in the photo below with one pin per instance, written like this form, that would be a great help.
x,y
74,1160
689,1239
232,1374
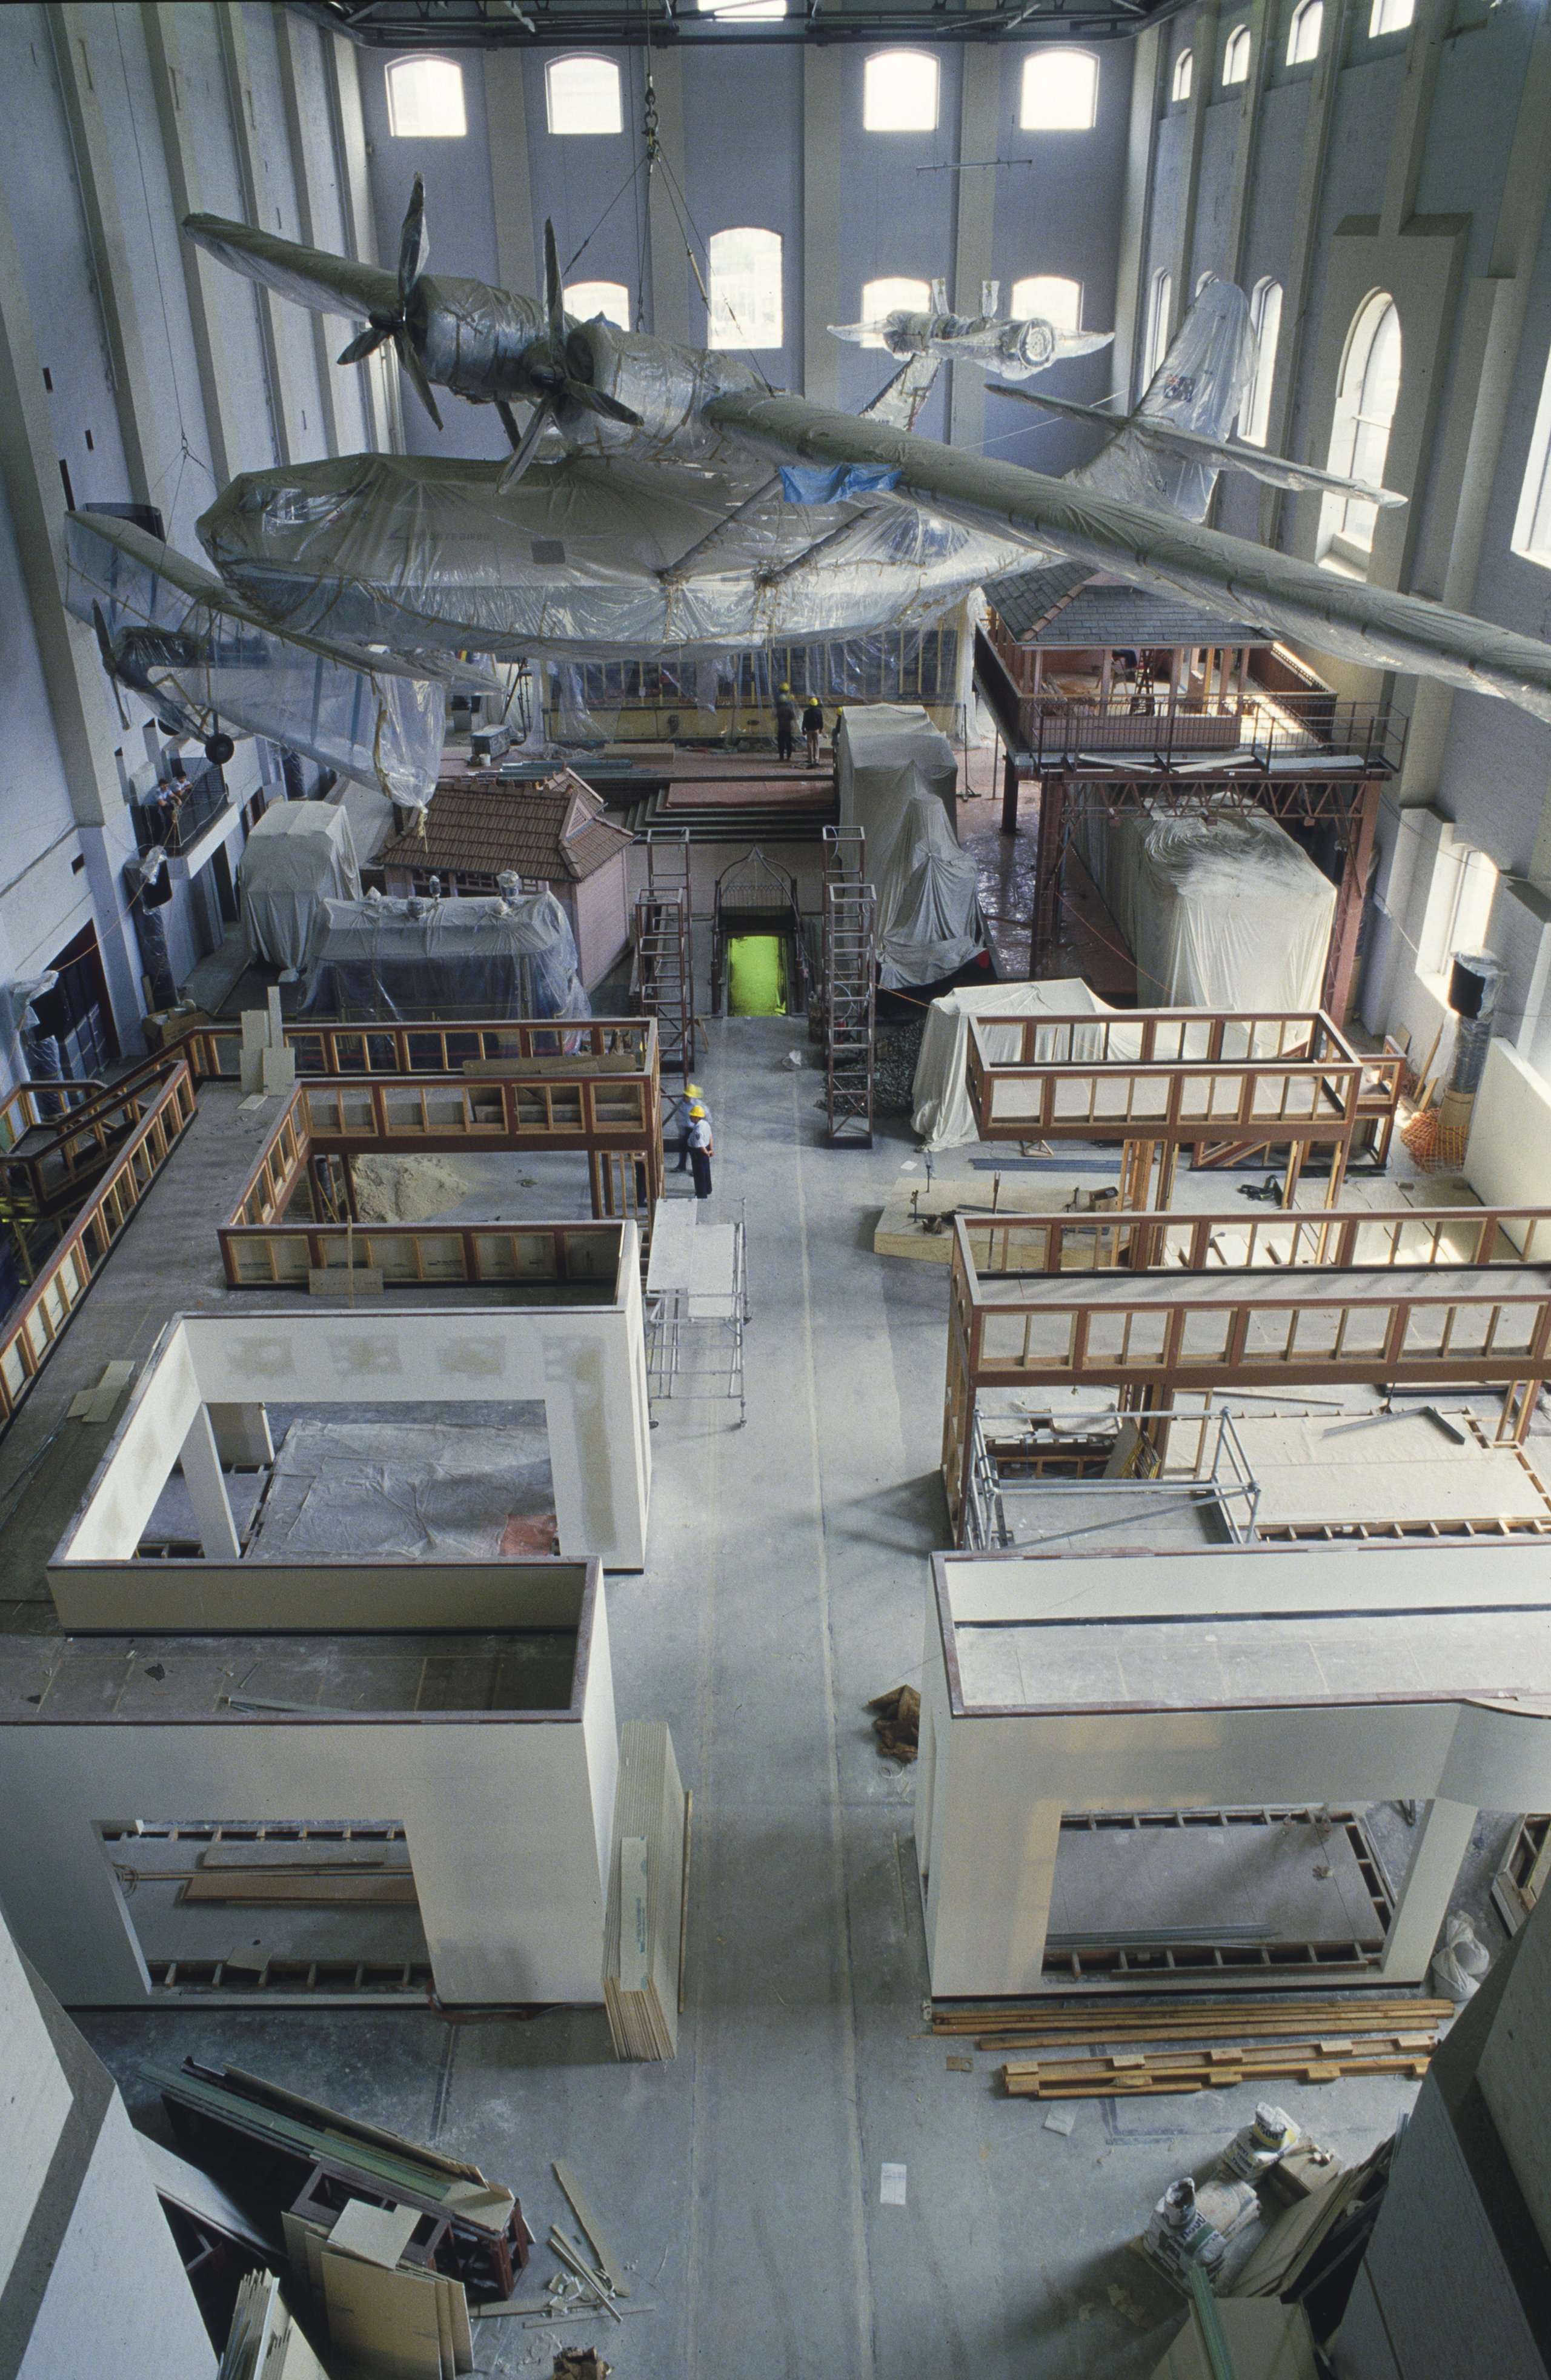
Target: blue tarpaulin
x,y
810,484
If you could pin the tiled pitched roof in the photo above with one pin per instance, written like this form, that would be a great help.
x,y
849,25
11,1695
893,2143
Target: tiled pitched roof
x,y
481,824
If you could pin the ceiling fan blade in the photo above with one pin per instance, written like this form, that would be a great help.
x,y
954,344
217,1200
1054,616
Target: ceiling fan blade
x,y
597,400
105,646
415,372
365,343
555,295
542,415
414,242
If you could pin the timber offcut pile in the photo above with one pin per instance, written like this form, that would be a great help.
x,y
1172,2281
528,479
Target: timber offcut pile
x,y
1145,2052
648,1873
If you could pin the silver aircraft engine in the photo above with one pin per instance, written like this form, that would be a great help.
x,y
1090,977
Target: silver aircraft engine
x,y
1015,349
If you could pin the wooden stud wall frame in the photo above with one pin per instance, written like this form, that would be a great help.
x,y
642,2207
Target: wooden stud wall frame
x,y
588,1104
505,1804
1153,1335
1225,1083
1222,1679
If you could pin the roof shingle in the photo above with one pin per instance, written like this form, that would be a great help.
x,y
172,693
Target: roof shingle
x,y
481,824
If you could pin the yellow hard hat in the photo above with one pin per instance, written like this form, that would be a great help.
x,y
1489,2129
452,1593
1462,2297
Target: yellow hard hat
x,y
786,689
694,1090
697,1110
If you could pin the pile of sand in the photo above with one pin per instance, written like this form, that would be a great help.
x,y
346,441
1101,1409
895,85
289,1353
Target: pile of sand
x,y
407,1189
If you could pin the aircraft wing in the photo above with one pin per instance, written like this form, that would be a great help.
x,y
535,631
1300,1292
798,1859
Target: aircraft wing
x,y
1219,454
371,717
1228,575
310,276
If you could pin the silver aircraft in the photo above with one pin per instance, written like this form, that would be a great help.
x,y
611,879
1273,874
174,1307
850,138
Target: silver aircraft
x,y
662,501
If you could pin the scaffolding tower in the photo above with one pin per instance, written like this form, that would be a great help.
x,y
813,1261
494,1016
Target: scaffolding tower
x,y
662,971
850,956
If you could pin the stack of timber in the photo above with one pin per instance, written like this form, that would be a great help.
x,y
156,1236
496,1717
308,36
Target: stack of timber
x,y
263,2343
1148,2051
648,1877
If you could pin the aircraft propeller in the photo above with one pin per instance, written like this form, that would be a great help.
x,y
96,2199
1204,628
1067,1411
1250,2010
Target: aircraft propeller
x,y
558,369
414,250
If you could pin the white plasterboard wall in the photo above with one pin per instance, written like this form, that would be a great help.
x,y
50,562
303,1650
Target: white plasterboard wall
x,y
988,1814
34,2102
586,1364
1507,1161
504,1822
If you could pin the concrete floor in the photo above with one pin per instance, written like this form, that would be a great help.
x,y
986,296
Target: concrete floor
x,y
786,1586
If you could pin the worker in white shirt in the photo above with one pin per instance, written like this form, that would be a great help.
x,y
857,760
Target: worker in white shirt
x,y
682,1107
701,1148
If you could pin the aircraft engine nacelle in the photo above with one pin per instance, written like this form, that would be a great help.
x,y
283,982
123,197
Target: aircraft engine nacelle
x,y
471,337
666,385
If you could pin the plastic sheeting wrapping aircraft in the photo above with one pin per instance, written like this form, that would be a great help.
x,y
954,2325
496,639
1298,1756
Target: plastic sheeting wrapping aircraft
x,y
662,501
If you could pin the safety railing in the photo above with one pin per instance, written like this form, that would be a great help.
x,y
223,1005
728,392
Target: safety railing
x,y
55,1154
30,1336
627,1043
1157,1076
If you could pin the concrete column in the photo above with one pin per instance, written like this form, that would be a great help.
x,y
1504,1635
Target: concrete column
x,y
1203,81
379,377
1443,1837
670,264
821,222
1149,62
207,1492
30,468
517,256
110,263
1311,165
980,92
1264,27
160,19
1469,441
290,37
285,398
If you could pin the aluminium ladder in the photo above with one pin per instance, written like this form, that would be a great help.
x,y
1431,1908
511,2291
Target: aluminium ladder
x,y
850,952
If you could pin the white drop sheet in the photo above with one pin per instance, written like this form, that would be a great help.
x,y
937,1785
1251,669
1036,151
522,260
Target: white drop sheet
x,y
1221,911
898,781
419,1490
941,1113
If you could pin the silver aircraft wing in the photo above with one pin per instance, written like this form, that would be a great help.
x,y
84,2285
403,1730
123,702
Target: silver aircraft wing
x,y
310,276
1221,454
1153,548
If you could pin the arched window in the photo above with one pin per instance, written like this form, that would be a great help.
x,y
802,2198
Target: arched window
x,y
1365,401
746,288
582,96
1184,75
1160,298
586,299
894,294
1235,55
1532,527
1389,17
425,100
1047,297
1303,33
1265,322
899,92
1061,92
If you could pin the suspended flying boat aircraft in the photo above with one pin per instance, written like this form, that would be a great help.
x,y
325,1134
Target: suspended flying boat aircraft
x,y
689,510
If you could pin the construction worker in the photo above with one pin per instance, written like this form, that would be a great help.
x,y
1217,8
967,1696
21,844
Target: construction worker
x,y
785,723
701,1148
691,1097
813,727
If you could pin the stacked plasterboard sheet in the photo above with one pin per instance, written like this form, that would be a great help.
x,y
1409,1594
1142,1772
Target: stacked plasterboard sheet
x,y
645,1896
263,2343
386,2316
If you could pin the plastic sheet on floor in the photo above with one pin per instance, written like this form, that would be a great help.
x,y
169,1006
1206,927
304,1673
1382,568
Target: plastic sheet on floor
x,y
410,1491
